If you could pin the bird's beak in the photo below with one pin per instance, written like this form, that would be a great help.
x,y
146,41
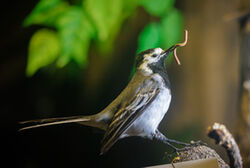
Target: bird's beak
x,y
174,48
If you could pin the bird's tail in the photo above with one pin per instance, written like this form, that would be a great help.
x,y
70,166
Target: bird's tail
x,y
85,120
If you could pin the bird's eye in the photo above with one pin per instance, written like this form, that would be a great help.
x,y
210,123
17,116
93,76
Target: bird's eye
x,y
154,55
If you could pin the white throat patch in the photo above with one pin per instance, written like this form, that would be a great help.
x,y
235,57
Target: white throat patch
x,y
145,68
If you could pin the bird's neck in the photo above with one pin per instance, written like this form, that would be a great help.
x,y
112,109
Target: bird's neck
x,y
162,71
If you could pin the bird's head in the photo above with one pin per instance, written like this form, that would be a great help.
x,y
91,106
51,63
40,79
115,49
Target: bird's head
x,y
156,57
151,57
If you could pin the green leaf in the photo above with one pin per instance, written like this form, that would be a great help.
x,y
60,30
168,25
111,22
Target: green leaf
x,y
107,17
150,37
75,32
43,50
172,29
129,7
46,12
157,7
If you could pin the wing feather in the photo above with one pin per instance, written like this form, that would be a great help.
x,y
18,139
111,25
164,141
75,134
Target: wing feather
x,y
125,116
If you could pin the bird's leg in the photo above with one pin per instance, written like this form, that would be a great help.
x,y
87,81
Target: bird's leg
x,y
160,137
177,142
171,140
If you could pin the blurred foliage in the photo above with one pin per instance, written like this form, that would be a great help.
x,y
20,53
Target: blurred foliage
x,y
43,50
165,33
71,26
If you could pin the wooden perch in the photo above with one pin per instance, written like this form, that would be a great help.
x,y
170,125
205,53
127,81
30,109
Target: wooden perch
x,y
222,137
199,152
202,163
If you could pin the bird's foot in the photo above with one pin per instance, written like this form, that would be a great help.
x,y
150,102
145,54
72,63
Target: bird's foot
x,y
177,150
190,145
186,146
197,143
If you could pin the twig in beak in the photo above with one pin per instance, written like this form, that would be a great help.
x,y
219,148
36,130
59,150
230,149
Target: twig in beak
x,y
180,45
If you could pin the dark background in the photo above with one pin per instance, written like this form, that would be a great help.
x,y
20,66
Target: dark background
x,y
51,93
205,90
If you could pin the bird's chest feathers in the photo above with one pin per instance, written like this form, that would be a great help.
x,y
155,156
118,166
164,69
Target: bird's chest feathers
x,y
148,122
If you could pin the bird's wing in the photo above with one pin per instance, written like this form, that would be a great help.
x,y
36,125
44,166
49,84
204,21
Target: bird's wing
x,y
124,117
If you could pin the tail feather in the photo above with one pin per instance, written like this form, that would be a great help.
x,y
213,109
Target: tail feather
x,y
55,121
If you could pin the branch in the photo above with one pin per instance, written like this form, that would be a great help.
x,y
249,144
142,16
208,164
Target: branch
x,y
223,137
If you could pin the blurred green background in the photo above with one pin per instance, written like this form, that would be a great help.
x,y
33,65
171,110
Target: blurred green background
x,y
72,27
64,58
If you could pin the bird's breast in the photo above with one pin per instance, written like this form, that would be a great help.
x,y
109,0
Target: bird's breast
x,y
148,122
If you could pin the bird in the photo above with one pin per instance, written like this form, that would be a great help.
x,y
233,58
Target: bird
x,y
139,108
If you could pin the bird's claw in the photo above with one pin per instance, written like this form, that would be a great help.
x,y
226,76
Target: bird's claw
x,y
197,143
190,145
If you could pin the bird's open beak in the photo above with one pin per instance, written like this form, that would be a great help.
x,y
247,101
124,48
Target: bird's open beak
x,y
174,48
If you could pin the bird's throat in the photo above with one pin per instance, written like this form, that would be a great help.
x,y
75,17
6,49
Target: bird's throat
x,y
162,71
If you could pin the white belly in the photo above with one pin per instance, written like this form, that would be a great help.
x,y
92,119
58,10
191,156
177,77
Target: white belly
x,y
148,122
